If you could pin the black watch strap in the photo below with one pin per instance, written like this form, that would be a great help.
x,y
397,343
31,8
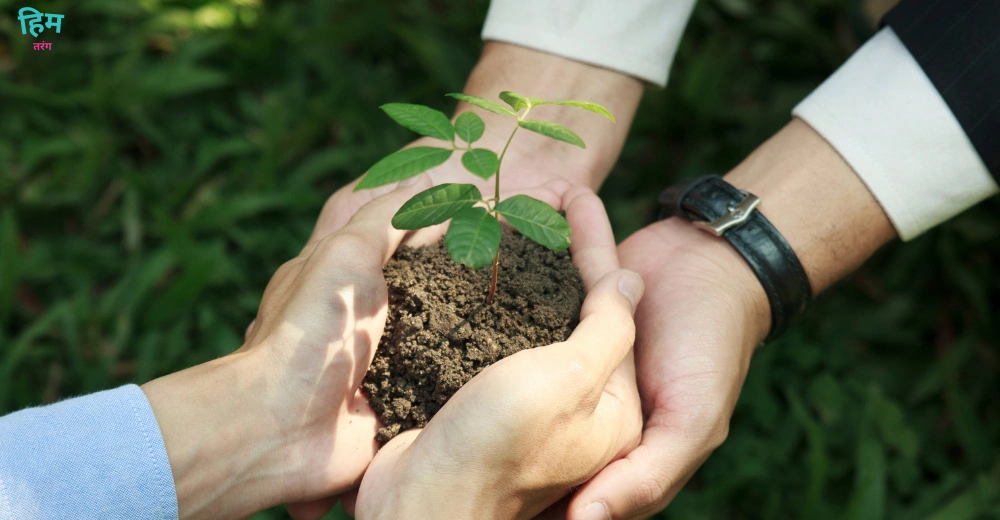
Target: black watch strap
x,y
719,208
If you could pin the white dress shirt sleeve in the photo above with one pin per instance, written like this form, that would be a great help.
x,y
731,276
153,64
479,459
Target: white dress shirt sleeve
x,y
637,37
886,119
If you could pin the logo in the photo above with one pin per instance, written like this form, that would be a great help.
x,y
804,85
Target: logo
x,y
35,27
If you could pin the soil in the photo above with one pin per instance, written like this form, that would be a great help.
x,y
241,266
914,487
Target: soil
x,y
439,333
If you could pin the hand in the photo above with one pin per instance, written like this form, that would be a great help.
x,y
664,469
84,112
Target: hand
x,y
282,419
701,318
527,429
531,161
705,312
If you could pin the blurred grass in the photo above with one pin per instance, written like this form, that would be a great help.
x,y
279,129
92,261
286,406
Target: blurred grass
x,y
166,156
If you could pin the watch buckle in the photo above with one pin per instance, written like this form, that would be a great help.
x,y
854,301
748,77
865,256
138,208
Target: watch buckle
x,y
736,216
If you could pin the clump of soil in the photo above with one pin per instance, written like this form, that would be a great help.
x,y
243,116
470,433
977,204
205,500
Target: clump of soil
x,y
439,334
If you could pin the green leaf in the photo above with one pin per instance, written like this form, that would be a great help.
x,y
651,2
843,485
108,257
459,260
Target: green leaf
x,y
403,165
473,237
586,105
422,120
536,220
484,104
435,205
558,132
515,100
469,127
481,162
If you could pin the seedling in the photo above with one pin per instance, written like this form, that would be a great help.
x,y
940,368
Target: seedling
x,y
473,237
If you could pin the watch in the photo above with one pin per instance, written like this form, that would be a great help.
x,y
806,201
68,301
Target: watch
x,y
719,208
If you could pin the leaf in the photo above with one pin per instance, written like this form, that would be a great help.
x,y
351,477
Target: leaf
x,y
435,205
586,105
515,100
552,130
403,165
422,120
536,220
481,162
484,104
473,237
469,127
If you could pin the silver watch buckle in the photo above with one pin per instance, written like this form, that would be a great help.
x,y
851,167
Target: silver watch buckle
x,y
736,216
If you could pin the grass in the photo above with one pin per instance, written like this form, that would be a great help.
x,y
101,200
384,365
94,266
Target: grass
x,y
166,156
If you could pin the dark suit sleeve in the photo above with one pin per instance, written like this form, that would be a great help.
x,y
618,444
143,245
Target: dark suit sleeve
x,y
957,44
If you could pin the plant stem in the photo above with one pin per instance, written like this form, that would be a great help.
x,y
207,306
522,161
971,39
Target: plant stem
x,y
496,200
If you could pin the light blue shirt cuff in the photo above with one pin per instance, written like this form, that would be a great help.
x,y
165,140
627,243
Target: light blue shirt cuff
x,y
96,456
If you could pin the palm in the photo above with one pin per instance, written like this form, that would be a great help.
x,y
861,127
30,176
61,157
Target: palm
x,y
693,348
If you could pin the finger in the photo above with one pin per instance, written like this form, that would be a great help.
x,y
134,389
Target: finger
x,y
551,193
642,483
313,510
606,330
341,206
372,223
592,243
349,501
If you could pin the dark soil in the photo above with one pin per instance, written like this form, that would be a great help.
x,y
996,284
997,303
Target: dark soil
x,y
439,334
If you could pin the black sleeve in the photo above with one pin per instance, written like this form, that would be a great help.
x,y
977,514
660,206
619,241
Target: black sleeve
x,y
957,44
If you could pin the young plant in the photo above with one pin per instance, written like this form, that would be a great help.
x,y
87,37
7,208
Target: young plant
x,y
473,237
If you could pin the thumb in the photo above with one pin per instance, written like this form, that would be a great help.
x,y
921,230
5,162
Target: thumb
x,y
642,483
606,330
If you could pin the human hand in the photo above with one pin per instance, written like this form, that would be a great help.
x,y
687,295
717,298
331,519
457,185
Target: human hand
x,y
527,429
705,312
282,419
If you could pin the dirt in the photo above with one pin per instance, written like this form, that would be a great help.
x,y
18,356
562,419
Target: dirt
x,y
439,333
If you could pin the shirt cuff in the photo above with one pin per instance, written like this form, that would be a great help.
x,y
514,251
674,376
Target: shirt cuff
x,y
886,119
638,37
96,456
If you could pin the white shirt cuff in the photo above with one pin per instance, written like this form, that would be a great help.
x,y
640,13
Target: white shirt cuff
x,y
636,37
886,119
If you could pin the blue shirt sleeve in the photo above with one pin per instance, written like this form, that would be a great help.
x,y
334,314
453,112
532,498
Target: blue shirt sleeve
x,y
96,456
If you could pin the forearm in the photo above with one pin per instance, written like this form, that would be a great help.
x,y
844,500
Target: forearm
x,y
504,66
811,195
223,446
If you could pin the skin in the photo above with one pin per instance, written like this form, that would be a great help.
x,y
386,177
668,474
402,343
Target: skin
x,y
535,424
281,419
705,312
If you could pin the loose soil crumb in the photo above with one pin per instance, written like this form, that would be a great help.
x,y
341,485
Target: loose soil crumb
x,y
439,334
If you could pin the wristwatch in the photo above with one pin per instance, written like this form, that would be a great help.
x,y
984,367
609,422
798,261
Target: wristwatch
x,y
721,209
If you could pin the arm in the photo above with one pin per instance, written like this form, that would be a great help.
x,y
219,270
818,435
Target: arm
x,y
876,154
279,420
96,456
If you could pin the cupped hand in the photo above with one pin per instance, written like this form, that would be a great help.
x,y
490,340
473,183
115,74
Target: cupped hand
x,y
552,193
528,428
702,317
319,323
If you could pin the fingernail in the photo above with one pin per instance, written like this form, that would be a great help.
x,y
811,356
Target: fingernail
x,y
631,286
596,511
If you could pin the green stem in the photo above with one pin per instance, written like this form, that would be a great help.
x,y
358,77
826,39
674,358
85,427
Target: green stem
x,y
496,200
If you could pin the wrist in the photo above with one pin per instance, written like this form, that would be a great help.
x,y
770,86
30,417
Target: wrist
x,y
816,201
504,66
225,449
674,257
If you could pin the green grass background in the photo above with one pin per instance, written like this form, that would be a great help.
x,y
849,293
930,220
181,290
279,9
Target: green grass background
x,y
166,156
